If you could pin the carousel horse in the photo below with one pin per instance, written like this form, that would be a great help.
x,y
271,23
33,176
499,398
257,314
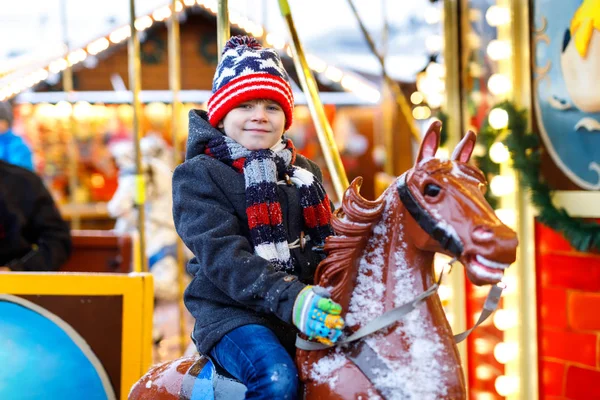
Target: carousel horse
x,y
381,260
161,237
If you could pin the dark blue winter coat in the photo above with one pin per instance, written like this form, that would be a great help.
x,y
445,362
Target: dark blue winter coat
x,y
232,286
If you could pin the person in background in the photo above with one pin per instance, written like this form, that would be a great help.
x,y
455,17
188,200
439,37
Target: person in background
x,y
13,148
33,236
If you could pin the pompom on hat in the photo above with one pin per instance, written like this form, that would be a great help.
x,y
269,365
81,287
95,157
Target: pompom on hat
x,y
248,71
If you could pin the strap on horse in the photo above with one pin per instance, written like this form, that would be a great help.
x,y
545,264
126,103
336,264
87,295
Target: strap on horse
x,y
396,314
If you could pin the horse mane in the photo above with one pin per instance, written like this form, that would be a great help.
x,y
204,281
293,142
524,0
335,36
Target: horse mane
x,y
352,224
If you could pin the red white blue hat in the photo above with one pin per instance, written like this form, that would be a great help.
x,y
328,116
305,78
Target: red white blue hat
x,y
248,71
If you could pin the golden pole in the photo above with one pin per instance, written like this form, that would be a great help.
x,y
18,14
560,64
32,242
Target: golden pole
x,y
452,38
223,31
309,86
133,51
175,86
393,85
67,81
454,73
525,268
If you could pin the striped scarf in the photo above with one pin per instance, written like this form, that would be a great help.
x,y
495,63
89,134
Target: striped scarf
x,y
262,170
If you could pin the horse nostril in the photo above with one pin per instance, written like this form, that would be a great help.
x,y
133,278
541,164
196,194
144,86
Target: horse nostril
x,y
482,234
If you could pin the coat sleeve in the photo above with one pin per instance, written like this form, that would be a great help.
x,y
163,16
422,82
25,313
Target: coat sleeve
x,y
54,237
206,221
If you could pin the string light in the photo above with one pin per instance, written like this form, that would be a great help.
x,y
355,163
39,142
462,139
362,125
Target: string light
x,y
505,352
143,23
499,84
499,153
505,319
501,185
484,372
499,50
362,89
417,98
497,16
421,112
506,385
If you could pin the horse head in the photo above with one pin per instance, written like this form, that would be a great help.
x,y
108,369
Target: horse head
x,y
450,215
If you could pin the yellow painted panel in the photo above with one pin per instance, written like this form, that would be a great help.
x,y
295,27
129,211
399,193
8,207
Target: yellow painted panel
x,y
138,303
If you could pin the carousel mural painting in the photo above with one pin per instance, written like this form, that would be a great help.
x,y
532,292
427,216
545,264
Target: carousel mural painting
x,y
567,85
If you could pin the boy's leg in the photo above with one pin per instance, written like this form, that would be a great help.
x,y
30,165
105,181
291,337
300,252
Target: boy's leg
x,y
254,355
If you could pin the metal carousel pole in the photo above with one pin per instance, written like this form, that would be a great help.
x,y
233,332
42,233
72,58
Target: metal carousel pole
x,y
67,82
392,85
223,30
134,62
454,106
309,86
175,87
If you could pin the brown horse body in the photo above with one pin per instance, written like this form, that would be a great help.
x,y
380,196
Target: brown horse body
x,y
382,258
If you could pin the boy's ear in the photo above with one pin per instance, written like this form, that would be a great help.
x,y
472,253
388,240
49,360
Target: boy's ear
x,y
220,125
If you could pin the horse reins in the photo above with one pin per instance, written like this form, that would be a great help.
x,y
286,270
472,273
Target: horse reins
x,y
449,242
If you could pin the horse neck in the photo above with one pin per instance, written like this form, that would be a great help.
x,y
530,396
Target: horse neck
x,y
392,270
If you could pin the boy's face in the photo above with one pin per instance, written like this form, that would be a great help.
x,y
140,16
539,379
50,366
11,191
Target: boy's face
x,y
255,124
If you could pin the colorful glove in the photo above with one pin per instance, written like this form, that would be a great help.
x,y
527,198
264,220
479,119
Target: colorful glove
x,y
317,316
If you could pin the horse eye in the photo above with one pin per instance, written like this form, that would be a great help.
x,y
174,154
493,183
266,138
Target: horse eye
x,y
432,190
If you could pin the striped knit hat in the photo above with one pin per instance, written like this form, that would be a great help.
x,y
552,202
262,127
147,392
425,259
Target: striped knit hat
x,y
248,72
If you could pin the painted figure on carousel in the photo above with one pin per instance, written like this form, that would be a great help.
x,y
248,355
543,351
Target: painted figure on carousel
x,y
161,236
254,213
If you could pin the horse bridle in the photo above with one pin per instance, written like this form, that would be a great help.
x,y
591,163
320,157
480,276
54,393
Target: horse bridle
x,y
426,221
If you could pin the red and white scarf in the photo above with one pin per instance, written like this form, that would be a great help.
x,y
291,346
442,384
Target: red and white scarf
x,y
262,170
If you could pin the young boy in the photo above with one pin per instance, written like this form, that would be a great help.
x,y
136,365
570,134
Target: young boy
x,y
251,210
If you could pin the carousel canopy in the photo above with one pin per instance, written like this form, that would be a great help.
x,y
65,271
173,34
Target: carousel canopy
x,y
39,29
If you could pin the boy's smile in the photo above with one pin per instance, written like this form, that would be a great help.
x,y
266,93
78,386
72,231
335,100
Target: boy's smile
x,y
255,124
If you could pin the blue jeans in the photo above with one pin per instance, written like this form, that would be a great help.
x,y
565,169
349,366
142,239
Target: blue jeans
x,y
254,355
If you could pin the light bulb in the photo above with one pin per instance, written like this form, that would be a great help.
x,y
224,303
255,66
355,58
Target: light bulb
x,y
433,15
499,50
502,185
484,372
498,118
499,84
505,319
497,15
505,352
499,153
434,43
509,218
421,112
482,346
506,385
417,98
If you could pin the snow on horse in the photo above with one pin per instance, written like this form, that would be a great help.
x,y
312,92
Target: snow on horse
x,y
380,259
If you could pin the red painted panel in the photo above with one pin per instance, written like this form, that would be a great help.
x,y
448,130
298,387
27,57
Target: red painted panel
x,y
570,272
552,307
582,384
549,240
569,346
552,377
584,311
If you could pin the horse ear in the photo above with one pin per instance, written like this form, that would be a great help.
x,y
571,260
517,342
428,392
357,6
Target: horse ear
x,y
430,142
462,152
